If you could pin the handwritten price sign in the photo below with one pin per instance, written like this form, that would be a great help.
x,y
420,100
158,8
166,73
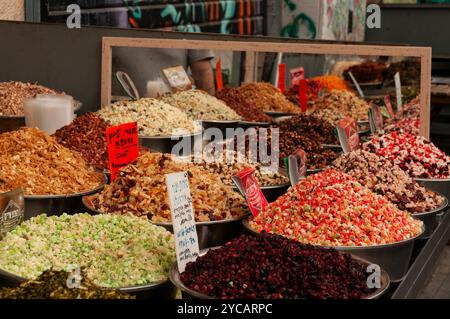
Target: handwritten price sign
x,y
123,146
183,219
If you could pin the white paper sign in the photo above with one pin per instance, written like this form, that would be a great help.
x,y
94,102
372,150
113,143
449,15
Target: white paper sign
x,y
183,219
398,92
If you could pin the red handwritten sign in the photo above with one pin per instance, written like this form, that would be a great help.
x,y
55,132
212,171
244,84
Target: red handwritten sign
x,y
303,95
249,187
219,79
297,75
123,146
348,134
282,77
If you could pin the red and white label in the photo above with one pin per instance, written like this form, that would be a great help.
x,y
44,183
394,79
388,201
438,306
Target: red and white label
x,y
249,187
348,134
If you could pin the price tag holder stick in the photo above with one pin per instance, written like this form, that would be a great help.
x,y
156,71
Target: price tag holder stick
x,y
398,91
358,87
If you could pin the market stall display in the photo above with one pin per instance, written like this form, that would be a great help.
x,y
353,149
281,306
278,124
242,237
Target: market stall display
x,y
406,125
231,162
316,86
331,209
413,154
267,98
318,156
336,105
199,105
311,127
246,108
367,72
385,178
115,251
269,266
33,161
52,284
86,135
13,95
409,72
141,190
154,117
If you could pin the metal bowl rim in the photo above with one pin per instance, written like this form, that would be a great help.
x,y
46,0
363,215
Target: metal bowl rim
x,y
8,275
92,191
254,123
276,114
436,210
12,117
355,248
169,137
433,180
168,224
174,276
220,121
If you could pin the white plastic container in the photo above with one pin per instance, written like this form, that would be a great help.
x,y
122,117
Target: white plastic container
x,y
49,112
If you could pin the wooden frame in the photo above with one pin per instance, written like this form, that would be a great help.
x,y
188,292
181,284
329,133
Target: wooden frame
x,y
424,53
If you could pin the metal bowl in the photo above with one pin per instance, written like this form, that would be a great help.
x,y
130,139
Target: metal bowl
x,y
210,234
165,144
441,186
278,120
188,293
272,192
160,290
53,205
394,258
430,218
11,123
247,124
221,125
275,114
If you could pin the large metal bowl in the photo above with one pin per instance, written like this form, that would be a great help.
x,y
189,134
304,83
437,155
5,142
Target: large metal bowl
x,y
272,192
430,218
57,204
160,290
165,144
394,258
210,234
441,186
188,293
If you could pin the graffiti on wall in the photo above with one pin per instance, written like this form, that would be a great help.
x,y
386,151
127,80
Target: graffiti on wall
x,y
300,25
324,19
223,16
